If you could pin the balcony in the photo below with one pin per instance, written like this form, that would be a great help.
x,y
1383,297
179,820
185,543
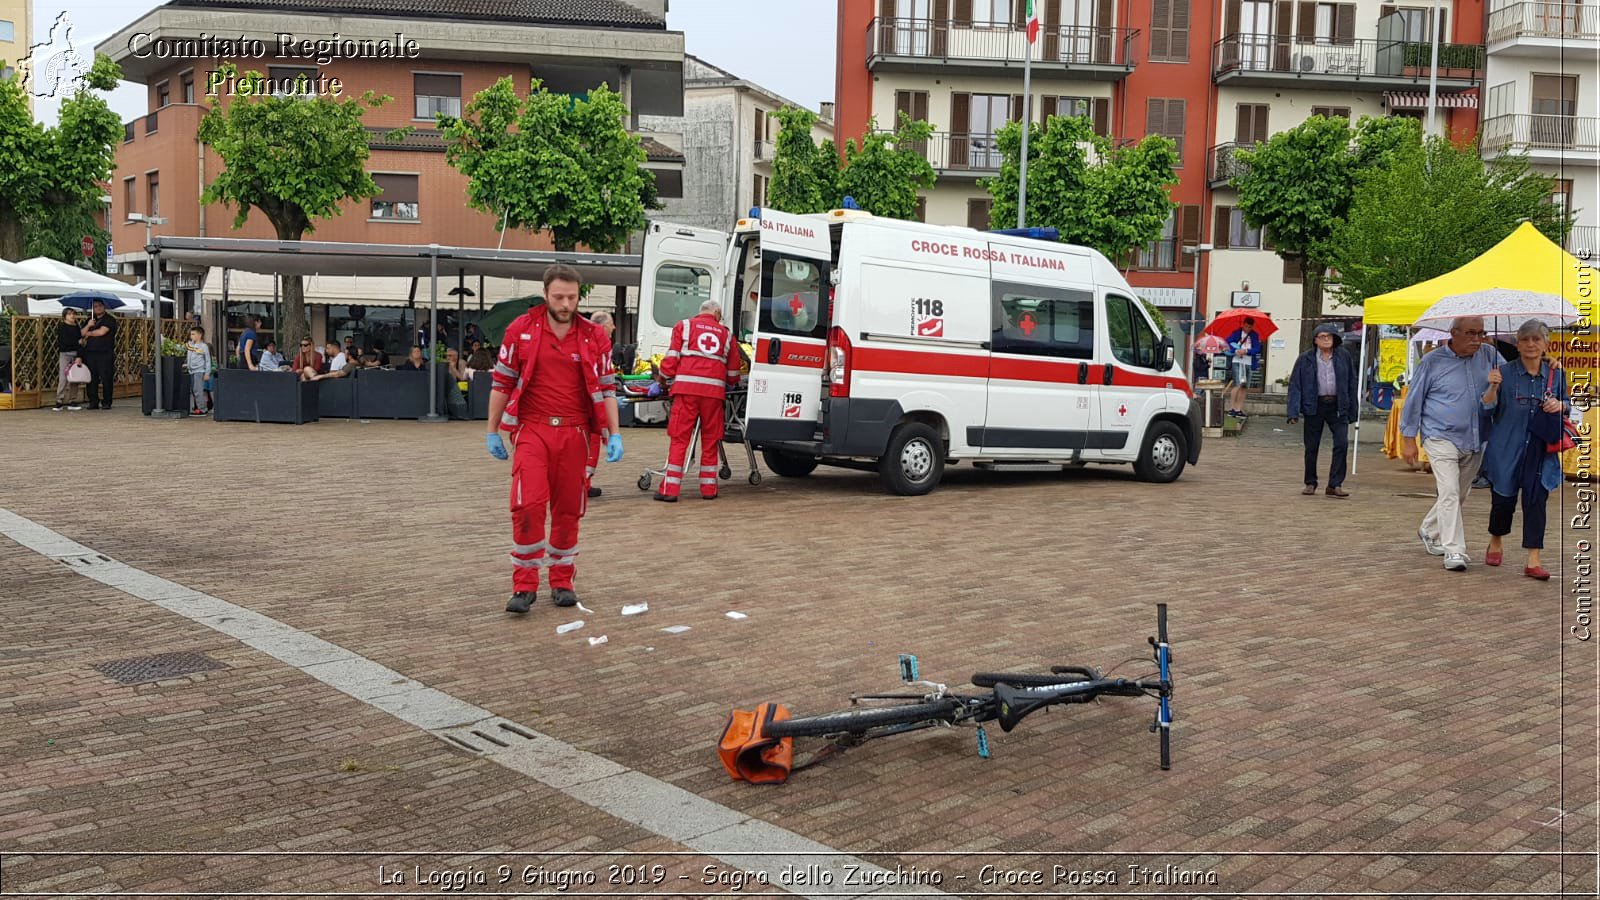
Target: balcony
x,y
1222,166
1545,139
1537,28
929,46
1584,242
960,155
1357,64
766,151
1160,255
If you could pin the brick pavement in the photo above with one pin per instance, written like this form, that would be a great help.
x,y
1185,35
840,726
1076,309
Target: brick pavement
x,y
1338,691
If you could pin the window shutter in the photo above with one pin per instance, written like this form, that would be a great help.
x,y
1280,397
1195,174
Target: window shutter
x,y
978,213
1019,12
1344,23
922,209
919,105
963,12
960,112
1102,116
941,27
902,104
1180,30
1155,116
396,188
1160,33
1174,129
1266,241
1016,107
1385,10
1307,31
1282,33
888,9
1047,108
1221,225
1230,18
1244,123
1188,235
437,85
1259,135
1291,271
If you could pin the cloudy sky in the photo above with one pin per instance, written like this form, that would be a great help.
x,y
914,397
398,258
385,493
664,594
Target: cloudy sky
x,y
721,32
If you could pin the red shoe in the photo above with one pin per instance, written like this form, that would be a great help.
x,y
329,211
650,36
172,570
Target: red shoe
x,y
1493,557
1537,572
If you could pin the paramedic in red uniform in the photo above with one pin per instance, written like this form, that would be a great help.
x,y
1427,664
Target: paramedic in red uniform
x,y
553,387
703,362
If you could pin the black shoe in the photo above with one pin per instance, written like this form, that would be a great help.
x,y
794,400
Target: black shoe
x,y
94,406
664,498
594,492
565,597
521,600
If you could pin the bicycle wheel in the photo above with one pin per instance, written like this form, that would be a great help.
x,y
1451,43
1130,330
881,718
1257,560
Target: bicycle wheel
x,y
990,679
863,719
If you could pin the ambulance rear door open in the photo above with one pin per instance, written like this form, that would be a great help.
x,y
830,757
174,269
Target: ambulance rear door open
x,y
682,268
790,329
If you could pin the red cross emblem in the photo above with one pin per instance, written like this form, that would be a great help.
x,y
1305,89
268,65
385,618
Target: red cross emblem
x,y
1122,410
1027,325
796,305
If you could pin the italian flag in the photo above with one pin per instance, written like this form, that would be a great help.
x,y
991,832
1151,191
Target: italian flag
x,y
1034,24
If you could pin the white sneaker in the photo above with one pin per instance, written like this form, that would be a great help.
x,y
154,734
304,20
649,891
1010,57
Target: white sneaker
x,y
1432,545
1456,562
73,408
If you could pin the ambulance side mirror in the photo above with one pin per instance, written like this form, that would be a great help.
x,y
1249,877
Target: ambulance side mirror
x,y
1165,354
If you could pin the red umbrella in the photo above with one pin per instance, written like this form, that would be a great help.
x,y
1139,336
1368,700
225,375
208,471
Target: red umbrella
x,y
1228,321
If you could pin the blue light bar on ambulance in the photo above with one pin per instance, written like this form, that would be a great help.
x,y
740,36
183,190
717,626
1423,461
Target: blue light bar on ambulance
x,y
755,212
1037,233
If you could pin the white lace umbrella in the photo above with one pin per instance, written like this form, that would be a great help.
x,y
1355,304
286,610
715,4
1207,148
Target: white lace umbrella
x,y
1502,311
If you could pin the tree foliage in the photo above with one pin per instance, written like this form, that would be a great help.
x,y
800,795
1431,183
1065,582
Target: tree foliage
x,y
1300,184
805,173
1435,208
295,157
884,172
1112,199
50,178
553,162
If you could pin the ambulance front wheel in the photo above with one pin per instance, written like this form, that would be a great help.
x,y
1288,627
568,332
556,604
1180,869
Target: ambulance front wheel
x,y
1165,452
914,462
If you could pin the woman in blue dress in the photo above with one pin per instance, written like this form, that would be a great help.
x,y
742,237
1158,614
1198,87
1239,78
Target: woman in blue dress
x,y
1528,400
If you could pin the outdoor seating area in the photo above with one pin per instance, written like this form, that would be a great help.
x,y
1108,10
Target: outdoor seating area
x,y
242,395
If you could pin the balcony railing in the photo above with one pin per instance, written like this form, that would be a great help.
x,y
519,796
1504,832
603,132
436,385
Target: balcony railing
x,y
766,151
1557,21
1161,256
998,43
954,153
1283,56
1526,131
1584,242
1222,165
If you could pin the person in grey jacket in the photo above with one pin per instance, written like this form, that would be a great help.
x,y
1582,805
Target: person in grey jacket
x,y
197,363
1322,390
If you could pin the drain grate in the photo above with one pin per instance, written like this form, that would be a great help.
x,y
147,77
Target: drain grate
x,y
140,669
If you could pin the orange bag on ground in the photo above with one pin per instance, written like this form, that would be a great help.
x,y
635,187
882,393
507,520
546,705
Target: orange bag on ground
x,y
748,753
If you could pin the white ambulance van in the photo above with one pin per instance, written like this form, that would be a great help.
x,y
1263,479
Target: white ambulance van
x,y
940,344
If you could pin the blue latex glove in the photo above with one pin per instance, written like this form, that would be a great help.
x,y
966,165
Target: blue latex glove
x,y
497,446
655,389
614,449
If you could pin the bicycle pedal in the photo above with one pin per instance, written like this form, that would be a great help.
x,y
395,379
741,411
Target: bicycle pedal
x,y
909,670
983,743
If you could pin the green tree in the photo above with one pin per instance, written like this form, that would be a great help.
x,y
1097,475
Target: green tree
x,y
884,172
1299,185
296,156
1114,200
553,162
1437,207
805,173
50,178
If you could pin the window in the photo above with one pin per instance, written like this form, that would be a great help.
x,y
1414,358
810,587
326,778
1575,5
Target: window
x,y
1291,271
991,12
669,183
921,214
1161,254
153,189
1331,112
130,197
1169,31
1561,195
163,94
1250,124
6,72
791,296
436,95
1096,109
1230,231
1165,117
1327,23
188,87
8,30
978,213
397,198
1499,99
989,112
679,292
758,191
291,81
1133,341
1416,23
1555,102
1036,322
912,103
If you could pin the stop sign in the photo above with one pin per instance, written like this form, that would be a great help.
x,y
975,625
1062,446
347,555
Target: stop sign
x,y
88,246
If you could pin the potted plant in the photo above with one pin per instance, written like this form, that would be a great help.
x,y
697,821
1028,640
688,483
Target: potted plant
x,y
174,379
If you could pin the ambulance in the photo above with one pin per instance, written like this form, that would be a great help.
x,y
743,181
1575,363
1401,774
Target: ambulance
x,y
901,347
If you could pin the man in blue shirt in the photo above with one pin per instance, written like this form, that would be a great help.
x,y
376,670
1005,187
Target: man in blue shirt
x,y
1444,407
1244,348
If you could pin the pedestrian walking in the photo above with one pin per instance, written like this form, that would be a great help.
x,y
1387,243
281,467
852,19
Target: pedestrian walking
x,y
99,342
197,362
703,362
1444,409
1529,401
553,387
68,335
1244,349
1322,390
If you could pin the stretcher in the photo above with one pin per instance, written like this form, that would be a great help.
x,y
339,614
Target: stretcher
x,y
734,413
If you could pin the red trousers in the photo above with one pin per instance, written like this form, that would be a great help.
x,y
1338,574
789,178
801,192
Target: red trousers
x,y
686,410
547,475
594,455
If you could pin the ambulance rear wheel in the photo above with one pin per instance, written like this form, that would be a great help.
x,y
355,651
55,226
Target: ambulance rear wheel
x,y
789,465
1165,452
914,462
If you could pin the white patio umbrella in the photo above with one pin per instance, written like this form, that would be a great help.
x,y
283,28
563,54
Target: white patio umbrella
x,y
16,280
67,279
1502,311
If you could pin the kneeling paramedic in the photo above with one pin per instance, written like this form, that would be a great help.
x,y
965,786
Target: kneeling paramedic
x,y
703,362
554,386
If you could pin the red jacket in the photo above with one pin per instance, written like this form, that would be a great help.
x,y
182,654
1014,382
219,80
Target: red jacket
x,y
703,360
518,351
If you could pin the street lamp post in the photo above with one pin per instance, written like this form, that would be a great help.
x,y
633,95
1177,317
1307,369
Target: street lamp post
x,y
1199,251
152,283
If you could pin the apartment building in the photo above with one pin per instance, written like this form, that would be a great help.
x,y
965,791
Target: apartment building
x,y
728,139
429,58
1214,76
1542,98
16,35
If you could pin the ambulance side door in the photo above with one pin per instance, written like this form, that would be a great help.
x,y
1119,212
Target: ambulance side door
x,y
682,268
1133,385
791,330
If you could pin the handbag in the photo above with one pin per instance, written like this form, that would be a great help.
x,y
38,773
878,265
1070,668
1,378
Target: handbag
x,y
1569,430
78,373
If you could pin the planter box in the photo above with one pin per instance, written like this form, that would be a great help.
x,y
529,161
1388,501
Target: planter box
x,y
174,387
384,394
245,396
336,397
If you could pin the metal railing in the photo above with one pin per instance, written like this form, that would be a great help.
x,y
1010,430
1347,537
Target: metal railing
x,y
1538,19
1160,255
1584,242
1529,131
1222,165
1354,58
766,151
1001,42
948,152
